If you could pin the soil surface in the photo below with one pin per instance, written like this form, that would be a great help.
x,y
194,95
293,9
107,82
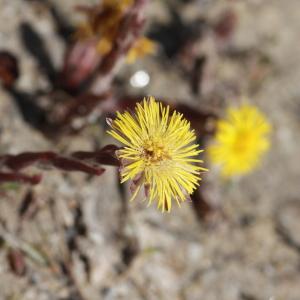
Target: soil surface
x,y
83,240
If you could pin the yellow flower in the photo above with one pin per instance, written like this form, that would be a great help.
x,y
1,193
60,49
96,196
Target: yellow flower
x,y
159,153
118,4
241,140
142,47
102,23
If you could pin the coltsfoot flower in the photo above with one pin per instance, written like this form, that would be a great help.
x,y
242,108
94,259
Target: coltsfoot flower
x,y
102,25
241,140
159,153
142,47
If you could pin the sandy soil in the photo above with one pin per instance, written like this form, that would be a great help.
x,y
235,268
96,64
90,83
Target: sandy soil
x,y
250,251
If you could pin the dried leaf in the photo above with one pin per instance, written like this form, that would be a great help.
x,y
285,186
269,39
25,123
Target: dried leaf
x,y
9,69
201,205
16,262
28,206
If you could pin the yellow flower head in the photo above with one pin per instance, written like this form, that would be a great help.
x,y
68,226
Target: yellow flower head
x,y
118,4
142,47
102,23
241,140
159,153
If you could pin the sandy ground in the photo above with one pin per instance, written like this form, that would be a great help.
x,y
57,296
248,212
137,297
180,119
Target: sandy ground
x,y
128,251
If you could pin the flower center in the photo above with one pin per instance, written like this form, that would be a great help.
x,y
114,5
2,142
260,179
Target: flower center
x,y
155,151
244,142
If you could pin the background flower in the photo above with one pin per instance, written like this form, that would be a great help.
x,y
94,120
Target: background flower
x,y
241,140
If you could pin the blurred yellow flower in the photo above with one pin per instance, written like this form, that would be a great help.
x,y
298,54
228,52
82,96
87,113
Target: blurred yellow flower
x,y
102,23
118,4
159,153
241,140
142,47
